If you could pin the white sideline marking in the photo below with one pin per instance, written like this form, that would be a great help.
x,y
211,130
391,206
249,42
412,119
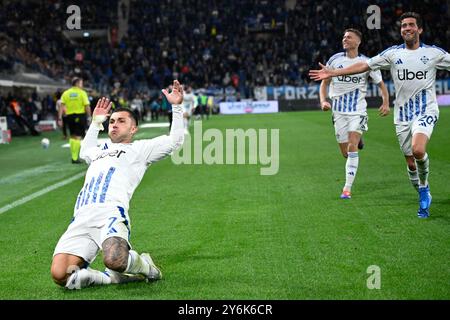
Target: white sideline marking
x,y
99,142
30,173
155,125
40,193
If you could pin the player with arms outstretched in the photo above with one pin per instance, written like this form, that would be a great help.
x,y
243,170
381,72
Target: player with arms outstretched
x,y
413,67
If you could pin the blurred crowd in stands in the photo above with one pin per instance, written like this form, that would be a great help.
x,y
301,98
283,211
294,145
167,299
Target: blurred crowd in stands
x,y
207,44
27,112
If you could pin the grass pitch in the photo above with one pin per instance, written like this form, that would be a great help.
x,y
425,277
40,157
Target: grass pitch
x,y
226,232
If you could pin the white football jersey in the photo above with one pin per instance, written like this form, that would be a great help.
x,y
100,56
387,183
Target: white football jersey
x,y
190,101
349,92
116,169
414,75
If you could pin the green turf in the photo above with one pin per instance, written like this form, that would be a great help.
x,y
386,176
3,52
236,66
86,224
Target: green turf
x,y
226,232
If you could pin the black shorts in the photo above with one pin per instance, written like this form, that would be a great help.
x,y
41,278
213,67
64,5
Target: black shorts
x,y
77,124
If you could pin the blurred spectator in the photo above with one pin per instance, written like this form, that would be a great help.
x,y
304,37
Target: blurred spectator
x,y
30,111
155,108
219,43
19,118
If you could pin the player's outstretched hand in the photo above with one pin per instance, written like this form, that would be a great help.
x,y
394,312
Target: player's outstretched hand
x,y
103,107
323,73
384,110
101,112
176,96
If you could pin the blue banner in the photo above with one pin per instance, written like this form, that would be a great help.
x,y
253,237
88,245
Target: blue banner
x,y
311,92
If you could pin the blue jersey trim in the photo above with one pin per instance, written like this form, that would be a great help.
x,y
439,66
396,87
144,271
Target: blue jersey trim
x,y
335,56
390,48
435,47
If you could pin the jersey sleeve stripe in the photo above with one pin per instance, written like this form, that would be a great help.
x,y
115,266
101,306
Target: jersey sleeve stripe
x,y
334,57
435,47
391,48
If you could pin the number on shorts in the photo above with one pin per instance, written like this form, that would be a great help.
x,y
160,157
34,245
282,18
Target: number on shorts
x,y
363,123
113,219
425,120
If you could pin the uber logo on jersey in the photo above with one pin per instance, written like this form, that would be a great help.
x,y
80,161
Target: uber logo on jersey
x,y
405,74
113,153
349,79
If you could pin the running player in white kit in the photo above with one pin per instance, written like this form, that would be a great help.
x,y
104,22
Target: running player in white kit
x,y
190,102
101,220
349,105
413,67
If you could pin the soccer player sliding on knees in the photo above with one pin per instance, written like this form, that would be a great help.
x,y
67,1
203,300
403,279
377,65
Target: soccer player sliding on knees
x,y
101,220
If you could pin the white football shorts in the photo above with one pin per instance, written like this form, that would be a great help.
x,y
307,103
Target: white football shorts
x,y
345,123
405,131
90,228
187,109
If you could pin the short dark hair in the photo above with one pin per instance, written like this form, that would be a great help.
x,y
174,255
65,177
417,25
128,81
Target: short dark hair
x,y
355,31
75,81
414,15
130,112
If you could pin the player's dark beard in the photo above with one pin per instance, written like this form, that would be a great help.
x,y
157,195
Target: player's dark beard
x,y
413,41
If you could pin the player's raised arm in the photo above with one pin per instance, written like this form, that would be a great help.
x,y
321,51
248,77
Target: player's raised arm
x,y
176,96
326,73
177,130
100,114
164,145
102,109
